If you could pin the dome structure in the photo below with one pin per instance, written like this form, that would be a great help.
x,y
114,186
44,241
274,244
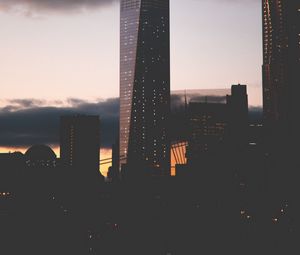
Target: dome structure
x,y
40,156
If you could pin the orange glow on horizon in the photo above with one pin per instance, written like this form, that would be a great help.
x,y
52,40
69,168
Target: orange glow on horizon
x,y
104,153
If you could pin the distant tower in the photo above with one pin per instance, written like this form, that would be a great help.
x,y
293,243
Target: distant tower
x,y
80,143
281,64
145,84
238,116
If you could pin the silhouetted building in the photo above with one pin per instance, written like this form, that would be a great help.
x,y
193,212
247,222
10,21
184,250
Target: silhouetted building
x,y
145,84
80,143
205,123
238,116
11,165
114,170
208,124
40,156
11,160
281,65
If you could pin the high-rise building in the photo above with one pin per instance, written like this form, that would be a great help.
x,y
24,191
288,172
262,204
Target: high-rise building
x,y
208,124
216,128
281,62
80,143
238,116
145,84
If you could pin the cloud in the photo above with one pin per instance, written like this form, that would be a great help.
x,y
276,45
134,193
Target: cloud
x,y
34,6
29,6
26,122
26,103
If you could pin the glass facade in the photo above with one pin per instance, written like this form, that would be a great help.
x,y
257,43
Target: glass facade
x,y
145,83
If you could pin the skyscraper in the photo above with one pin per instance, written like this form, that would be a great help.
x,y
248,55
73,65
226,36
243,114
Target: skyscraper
x,y
208,124
80,143
281,62
281,90
238,116
145,84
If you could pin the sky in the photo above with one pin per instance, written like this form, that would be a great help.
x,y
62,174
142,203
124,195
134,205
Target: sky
x,y
63,56
58,52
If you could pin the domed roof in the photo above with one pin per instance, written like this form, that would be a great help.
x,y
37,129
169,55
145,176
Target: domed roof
x,y
40,152
17,153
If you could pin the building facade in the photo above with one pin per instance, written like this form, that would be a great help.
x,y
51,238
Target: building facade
x,y
145,84
80,143
208,124
218,129
281,61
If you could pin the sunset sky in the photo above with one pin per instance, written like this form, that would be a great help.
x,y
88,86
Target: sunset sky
x,y
54,51
60,52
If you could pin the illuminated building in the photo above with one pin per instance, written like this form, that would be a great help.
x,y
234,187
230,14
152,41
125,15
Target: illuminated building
x,y
80,142
145,84
281,62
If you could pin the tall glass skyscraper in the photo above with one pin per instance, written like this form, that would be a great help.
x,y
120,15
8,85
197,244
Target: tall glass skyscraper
x,y
145,84
281,60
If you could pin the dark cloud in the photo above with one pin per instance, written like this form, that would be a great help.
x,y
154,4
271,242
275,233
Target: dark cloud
x,y
27,124
51,5
26,103
72,5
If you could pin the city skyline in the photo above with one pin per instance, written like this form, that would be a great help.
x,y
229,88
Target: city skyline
x,y
63,65
174,164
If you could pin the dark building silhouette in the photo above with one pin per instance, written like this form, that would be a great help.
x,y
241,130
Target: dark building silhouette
x,y
208,123
281,90
80,143
11,160
114,172
40,156
217,134
238,116
11,165
145,84
281,65
214,127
